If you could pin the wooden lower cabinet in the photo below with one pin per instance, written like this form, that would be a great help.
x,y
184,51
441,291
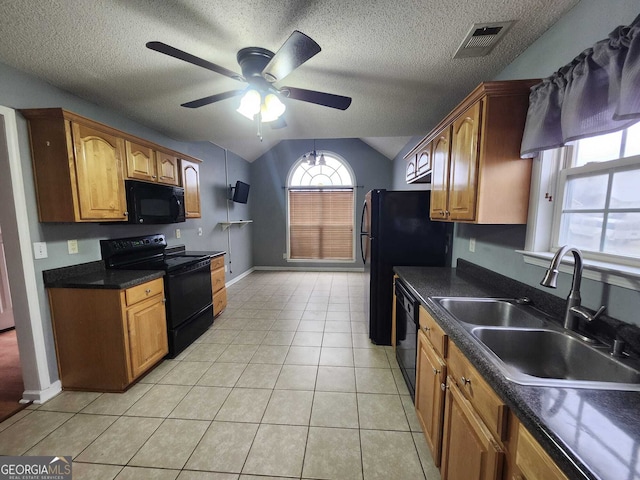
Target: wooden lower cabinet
x,y
218,286
431,375
532,462
105,338
469,450
470,431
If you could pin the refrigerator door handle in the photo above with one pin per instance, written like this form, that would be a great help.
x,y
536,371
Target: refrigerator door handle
x,y
364,211
363,234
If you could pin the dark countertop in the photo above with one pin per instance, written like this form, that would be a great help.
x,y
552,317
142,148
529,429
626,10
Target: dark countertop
x,y
212,254
591,434
94,275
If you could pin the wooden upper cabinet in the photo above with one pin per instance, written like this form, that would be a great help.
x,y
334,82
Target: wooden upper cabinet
x,y
191,184
98,171
419,163
167,168
463,169
440,174
141,162
478,175
79,167
410,174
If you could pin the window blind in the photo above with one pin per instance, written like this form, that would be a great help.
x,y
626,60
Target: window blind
x,y
321,224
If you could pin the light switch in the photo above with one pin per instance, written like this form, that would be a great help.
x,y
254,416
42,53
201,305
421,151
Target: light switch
x,y
178,233
472,244
199,231
40,250
72,246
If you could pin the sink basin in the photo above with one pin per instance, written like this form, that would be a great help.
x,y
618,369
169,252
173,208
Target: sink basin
x,y
555,358
491,312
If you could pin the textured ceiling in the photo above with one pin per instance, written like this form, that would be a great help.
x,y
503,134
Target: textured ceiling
x,y
394,58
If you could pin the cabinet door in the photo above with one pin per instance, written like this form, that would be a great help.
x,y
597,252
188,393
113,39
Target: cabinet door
x,y
191,184
533,462
167,168
430,381
411,170
99,174
424,161
440,175
463,177
469,452
141,162
147,335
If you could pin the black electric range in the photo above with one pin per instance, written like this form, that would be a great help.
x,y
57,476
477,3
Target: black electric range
x,y
187,283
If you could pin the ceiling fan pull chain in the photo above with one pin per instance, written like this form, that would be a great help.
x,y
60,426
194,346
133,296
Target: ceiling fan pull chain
x,y
258,118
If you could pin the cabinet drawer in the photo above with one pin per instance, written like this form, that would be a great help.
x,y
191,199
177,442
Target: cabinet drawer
x,y
219,302
533,461
217,280
138,293
434,332
488,405
217,262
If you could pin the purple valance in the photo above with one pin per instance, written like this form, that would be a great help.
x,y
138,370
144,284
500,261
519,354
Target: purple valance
x,y
597,93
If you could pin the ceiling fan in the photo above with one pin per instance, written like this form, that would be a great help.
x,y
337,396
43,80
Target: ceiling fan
x,y
261,69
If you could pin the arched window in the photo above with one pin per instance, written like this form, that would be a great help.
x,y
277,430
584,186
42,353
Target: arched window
x,y
321,203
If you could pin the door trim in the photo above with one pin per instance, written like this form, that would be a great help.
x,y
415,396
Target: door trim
x,y
36,372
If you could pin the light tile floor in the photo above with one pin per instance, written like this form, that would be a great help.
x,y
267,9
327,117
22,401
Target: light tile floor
x,y
285,384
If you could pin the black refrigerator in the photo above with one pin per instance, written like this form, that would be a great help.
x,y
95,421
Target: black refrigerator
x,y
395,230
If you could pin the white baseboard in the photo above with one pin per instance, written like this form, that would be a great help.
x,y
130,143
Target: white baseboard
x,y
311,269
239,277
41,396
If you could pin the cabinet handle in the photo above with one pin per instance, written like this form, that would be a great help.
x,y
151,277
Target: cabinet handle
x,y
153,176
447,213
126,214
164,300
465,380
147,291
426,329
435,371
443,387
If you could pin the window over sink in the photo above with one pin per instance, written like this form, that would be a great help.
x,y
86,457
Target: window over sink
x,y
587,194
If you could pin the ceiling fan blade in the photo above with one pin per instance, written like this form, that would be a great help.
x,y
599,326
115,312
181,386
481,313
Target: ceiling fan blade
x,y
213,98
278,123
319,98
187,57
294,52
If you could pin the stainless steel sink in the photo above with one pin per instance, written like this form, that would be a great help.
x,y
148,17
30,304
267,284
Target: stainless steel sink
x,y
529,349
491,312
544,357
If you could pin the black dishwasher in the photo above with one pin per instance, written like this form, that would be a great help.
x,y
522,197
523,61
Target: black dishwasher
x,y
406,334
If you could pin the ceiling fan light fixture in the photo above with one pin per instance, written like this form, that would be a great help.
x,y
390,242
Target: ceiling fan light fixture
x,y
250,104
321,160
272,108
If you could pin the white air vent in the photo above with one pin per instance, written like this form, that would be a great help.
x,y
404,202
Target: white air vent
x,y
481,39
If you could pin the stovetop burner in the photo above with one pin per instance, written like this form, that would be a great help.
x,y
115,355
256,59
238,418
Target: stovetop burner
x,y
144,253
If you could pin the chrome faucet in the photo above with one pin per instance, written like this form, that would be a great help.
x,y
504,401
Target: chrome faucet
x,y
573,310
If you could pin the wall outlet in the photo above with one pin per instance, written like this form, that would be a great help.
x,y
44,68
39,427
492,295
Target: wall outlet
x,y
199,231
472,244
226,269
284,256
40,250
72,246
178,234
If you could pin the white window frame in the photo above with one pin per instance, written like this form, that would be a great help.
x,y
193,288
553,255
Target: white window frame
x,y
547,188
352,187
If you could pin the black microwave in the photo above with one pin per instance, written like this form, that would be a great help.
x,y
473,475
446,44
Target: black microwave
x,y
154,203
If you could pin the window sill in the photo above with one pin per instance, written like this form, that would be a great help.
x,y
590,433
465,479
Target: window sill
x,y
624,276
